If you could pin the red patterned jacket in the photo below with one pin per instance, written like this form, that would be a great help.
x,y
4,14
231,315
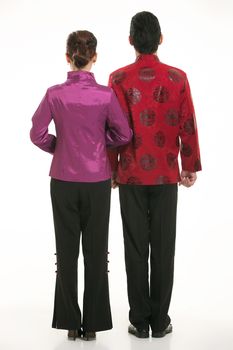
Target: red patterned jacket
x,y
157,99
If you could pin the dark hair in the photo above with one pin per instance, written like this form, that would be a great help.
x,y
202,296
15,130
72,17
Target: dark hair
x,y
145,32
81,47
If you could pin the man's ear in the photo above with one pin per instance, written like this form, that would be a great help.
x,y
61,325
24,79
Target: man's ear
x,y
161,39
130,40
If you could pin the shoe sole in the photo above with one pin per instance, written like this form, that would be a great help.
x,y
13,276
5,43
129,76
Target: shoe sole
x,y
142,336
161,334
88,339
73,338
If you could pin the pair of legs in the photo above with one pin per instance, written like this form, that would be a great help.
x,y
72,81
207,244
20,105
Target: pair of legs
x,y
81,208
149,226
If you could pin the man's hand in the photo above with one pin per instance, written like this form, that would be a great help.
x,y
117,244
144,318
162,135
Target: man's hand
x,y
187,178
114,181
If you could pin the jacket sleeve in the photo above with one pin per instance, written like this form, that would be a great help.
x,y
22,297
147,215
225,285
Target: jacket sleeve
x,y
118,131
190,153
114,152
39,132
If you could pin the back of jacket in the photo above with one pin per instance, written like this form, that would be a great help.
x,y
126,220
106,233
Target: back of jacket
x,y
158,102
87,118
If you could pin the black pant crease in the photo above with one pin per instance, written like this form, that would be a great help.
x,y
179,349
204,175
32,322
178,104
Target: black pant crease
x,y
149,227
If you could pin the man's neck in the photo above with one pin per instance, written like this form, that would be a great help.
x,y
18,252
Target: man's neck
x,y
138,53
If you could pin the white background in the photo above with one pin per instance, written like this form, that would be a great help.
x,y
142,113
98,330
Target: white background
x,y
198,39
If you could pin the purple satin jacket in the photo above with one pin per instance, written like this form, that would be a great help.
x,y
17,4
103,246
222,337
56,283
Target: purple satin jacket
x,y
87,118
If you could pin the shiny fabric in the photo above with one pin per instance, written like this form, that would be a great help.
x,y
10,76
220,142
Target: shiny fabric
x,y
158,102
88,118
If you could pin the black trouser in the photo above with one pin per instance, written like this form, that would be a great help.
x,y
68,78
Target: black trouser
x,y
149,226
81,207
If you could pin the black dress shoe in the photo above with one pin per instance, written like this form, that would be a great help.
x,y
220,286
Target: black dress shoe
x,y
139,333
73,334
162,333
89,335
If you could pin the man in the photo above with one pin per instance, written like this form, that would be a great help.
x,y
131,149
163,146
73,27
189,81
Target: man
x,y
157,99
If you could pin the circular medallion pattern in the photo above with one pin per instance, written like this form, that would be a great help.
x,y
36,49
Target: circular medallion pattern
x,y
148,162
118,77
133,96
146,74
174,75
172,117
147,117
161,94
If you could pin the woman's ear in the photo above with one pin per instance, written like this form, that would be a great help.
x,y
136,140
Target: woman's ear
x,y
130,40
94,59
67,58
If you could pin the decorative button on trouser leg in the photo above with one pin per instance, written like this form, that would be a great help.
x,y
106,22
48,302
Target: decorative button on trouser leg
x,y
77,214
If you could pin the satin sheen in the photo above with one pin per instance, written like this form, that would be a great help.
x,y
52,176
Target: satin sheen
x,y
87,118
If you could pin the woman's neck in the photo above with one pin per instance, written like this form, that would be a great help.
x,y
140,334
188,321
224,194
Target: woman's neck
x,y
87,68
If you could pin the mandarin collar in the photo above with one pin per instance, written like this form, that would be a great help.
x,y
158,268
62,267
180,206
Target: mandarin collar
x,y
80,75
147,58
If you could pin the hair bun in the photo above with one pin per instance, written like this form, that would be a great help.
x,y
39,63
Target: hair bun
x,y
81,47
79,60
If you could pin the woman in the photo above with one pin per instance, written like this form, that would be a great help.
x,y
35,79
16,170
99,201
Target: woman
x,y
87,118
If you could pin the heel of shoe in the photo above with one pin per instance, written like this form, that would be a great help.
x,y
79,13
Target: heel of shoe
x,y
73,334
161,334
89,336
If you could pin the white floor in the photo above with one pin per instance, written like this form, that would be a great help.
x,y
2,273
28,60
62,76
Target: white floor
x,y
29,329
202,302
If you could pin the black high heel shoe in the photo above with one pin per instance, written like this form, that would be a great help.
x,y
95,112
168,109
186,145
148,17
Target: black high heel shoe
x,y
73,334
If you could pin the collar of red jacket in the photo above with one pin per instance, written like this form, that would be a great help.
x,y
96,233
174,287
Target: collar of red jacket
x,y
147,57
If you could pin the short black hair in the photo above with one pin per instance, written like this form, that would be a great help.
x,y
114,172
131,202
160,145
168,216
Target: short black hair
x,y
145,32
